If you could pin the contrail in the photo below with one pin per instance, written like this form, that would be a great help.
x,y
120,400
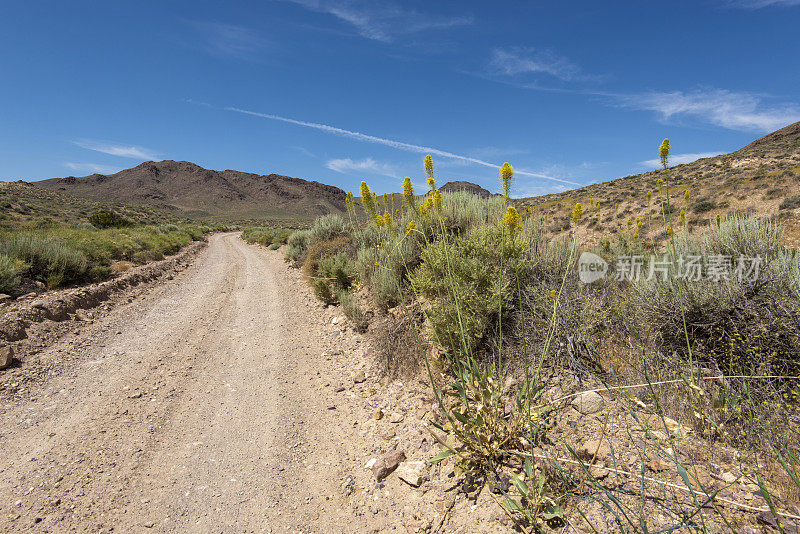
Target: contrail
x,y
391,143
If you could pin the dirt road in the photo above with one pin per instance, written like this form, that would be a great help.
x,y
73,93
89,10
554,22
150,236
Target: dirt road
x,y
210,405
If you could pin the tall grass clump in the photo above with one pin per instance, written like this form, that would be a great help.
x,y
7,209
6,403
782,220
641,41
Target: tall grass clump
x,y
61,256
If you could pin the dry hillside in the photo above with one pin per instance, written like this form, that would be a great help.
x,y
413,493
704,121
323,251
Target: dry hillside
x,y
191,190
762,178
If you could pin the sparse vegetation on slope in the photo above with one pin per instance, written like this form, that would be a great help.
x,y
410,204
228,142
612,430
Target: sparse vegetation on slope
x,y
58,240
699,370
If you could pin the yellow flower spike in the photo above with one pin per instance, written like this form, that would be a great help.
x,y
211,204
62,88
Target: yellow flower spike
x,y
649,196
683,216
511,219
437,200
719,219
408,192
686,195
577,213
429,170
387,218
367,200
379,220
660,183
669,230
553,294
663,152
410,227
506,174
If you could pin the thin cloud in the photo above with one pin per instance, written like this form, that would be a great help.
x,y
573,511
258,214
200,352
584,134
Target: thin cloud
x,y
382,21
680,159
758,4
114,149
515,61
228,40
92,168
399,145
720,107
366,165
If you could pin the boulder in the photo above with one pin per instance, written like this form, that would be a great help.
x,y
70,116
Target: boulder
x,y
6,356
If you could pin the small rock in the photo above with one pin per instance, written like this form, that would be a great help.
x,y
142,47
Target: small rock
x,y
384,467
587,450
335,320
38,304
728,477
4,297
787,526
6,356
396,417
28,296
656,466
413,472
332,407
370,463
82,315
137,395
746,530
378,415
349,485
359,377
589,402
339,389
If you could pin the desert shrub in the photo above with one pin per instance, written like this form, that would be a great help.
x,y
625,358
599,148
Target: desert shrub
x,y
467,282
322,290
265,236
109,219
731,321
338,269
702,206
352,310
465,211
320,250
10,270
296,245
790,203
275,246
46,258
328,227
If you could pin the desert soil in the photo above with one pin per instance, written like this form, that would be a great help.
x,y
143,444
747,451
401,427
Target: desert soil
x,y
222,400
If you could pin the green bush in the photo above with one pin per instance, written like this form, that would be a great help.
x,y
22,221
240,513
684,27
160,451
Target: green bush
x,y
275,246
59,256
467,280
790,203
296,245
9,272
702,206
322,290
109,219
328,227
338,269
352,310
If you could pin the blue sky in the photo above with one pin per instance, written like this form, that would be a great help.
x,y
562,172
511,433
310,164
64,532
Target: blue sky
x,y
339,91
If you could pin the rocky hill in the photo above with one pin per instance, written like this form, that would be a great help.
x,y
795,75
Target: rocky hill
x,y
188,189
761,178
469,187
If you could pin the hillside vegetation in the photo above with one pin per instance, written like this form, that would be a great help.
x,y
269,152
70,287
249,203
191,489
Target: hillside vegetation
x,y
684,388
49,240
762,178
